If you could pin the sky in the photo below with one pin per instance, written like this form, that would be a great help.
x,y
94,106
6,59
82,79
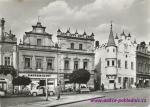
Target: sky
x,y
132,16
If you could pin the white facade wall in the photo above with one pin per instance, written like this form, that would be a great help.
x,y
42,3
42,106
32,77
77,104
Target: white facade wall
x,y
125,51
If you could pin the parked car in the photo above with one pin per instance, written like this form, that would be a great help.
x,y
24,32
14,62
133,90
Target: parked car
x,y
40,90
83,89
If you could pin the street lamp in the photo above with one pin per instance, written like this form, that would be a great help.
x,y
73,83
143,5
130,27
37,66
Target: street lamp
x,y
46,89
56,46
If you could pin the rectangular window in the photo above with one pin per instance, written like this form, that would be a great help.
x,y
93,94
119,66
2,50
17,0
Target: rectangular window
x,y
39,42
107,63
72,45
113,63
80,46
126,65
119,79
75,64
27,63
38,63
85,65
49,64
66,64
7,61
140,67
148,68
119,63
132,65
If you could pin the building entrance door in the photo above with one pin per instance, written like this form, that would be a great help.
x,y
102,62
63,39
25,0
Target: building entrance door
x,y
125,79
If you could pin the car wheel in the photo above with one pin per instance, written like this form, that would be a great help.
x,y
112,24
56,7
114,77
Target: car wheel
x,y
34,94
51,93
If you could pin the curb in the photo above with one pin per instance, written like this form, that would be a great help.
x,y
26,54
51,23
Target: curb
x,y
115,91
110,91
74,101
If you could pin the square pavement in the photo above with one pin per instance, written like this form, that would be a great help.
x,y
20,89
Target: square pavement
x,y
52,102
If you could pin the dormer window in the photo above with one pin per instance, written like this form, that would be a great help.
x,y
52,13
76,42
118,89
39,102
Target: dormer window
x,y
72,45
80,46
39,42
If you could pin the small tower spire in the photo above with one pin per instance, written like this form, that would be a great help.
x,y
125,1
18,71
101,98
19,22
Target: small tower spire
x,y
111,41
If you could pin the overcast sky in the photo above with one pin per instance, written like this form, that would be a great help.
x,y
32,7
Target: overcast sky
x,y
89,15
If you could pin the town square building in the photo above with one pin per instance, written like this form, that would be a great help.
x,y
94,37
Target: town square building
x,y
117,61
143,64
8,57
40,58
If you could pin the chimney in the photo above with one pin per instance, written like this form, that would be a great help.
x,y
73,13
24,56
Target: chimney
x,y
2,28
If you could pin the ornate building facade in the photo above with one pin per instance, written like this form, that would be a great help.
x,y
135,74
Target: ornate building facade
x,y
118,61
143,64
40,58
8,56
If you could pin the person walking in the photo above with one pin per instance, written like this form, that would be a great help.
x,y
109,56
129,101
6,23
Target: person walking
x,y
58,90
102,86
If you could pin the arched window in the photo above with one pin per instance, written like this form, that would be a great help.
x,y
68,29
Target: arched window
x,y
72,45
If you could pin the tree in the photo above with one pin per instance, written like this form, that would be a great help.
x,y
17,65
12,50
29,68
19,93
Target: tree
x,y
80,76
8,70
21,80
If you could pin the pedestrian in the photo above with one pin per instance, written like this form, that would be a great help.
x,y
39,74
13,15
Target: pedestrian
x,y
115,86
102,86
58,90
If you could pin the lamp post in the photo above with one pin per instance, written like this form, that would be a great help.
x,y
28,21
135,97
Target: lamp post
x,y
56,45
46,89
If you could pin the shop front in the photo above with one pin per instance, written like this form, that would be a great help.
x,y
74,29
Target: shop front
x,y
143,80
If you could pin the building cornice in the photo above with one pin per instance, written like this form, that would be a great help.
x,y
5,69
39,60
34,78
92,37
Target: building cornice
x,y
55,50
70,37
